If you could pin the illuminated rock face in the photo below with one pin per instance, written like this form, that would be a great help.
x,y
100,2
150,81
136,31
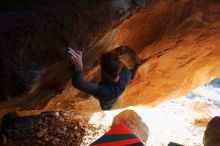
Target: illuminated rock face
x,y
176,41
180,41
212,133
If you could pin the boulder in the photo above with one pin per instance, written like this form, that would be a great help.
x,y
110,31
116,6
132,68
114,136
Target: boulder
x,y
134,122
212,133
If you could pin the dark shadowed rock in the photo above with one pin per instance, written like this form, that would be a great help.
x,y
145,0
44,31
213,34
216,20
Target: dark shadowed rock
x,y
36,34
134,122
212,133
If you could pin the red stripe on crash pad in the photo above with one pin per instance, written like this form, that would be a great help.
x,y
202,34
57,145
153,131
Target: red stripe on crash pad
x,y
119,143
119,129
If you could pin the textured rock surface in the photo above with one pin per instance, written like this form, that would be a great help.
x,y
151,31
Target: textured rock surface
x,y
51,129
212,133
34,36
181,41
134,122
177,42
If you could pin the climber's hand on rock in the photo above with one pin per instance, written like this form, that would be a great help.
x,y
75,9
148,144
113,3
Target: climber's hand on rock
x,y
75,57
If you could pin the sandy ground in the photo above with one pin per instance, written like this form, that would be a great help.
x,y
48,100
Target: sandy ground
x,y
181,121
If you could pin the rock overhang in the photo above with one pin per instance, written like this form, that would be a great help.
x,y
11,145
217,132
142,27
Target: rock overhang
x,y
177,41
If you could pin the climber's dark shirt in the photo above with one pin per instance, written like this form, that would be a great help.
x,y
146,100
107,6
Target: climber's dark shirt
x,y
107,92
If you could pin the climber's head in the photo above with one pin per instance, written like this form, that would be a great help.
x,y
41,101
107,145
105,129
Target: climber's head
x,y
111,66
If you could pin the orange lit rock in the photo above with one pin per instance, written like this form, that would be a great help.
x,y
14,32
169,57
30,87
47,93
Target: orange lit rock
x,y
177,43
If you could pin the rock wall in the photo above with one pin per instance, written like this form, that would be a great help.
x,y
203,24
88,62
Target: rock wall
x,y
176,41
34,37
180,40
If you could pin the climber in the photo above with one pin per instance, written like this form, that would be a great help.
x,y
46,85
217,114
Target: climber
x,y
115,75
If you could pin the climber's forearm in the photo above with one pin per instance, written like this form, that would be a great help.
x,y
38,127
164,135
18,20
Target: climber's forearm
x,y
79,83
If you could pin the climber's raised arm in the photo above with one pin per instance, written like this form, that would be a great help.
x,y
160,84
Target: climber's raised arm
x,y
78,82
75,57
